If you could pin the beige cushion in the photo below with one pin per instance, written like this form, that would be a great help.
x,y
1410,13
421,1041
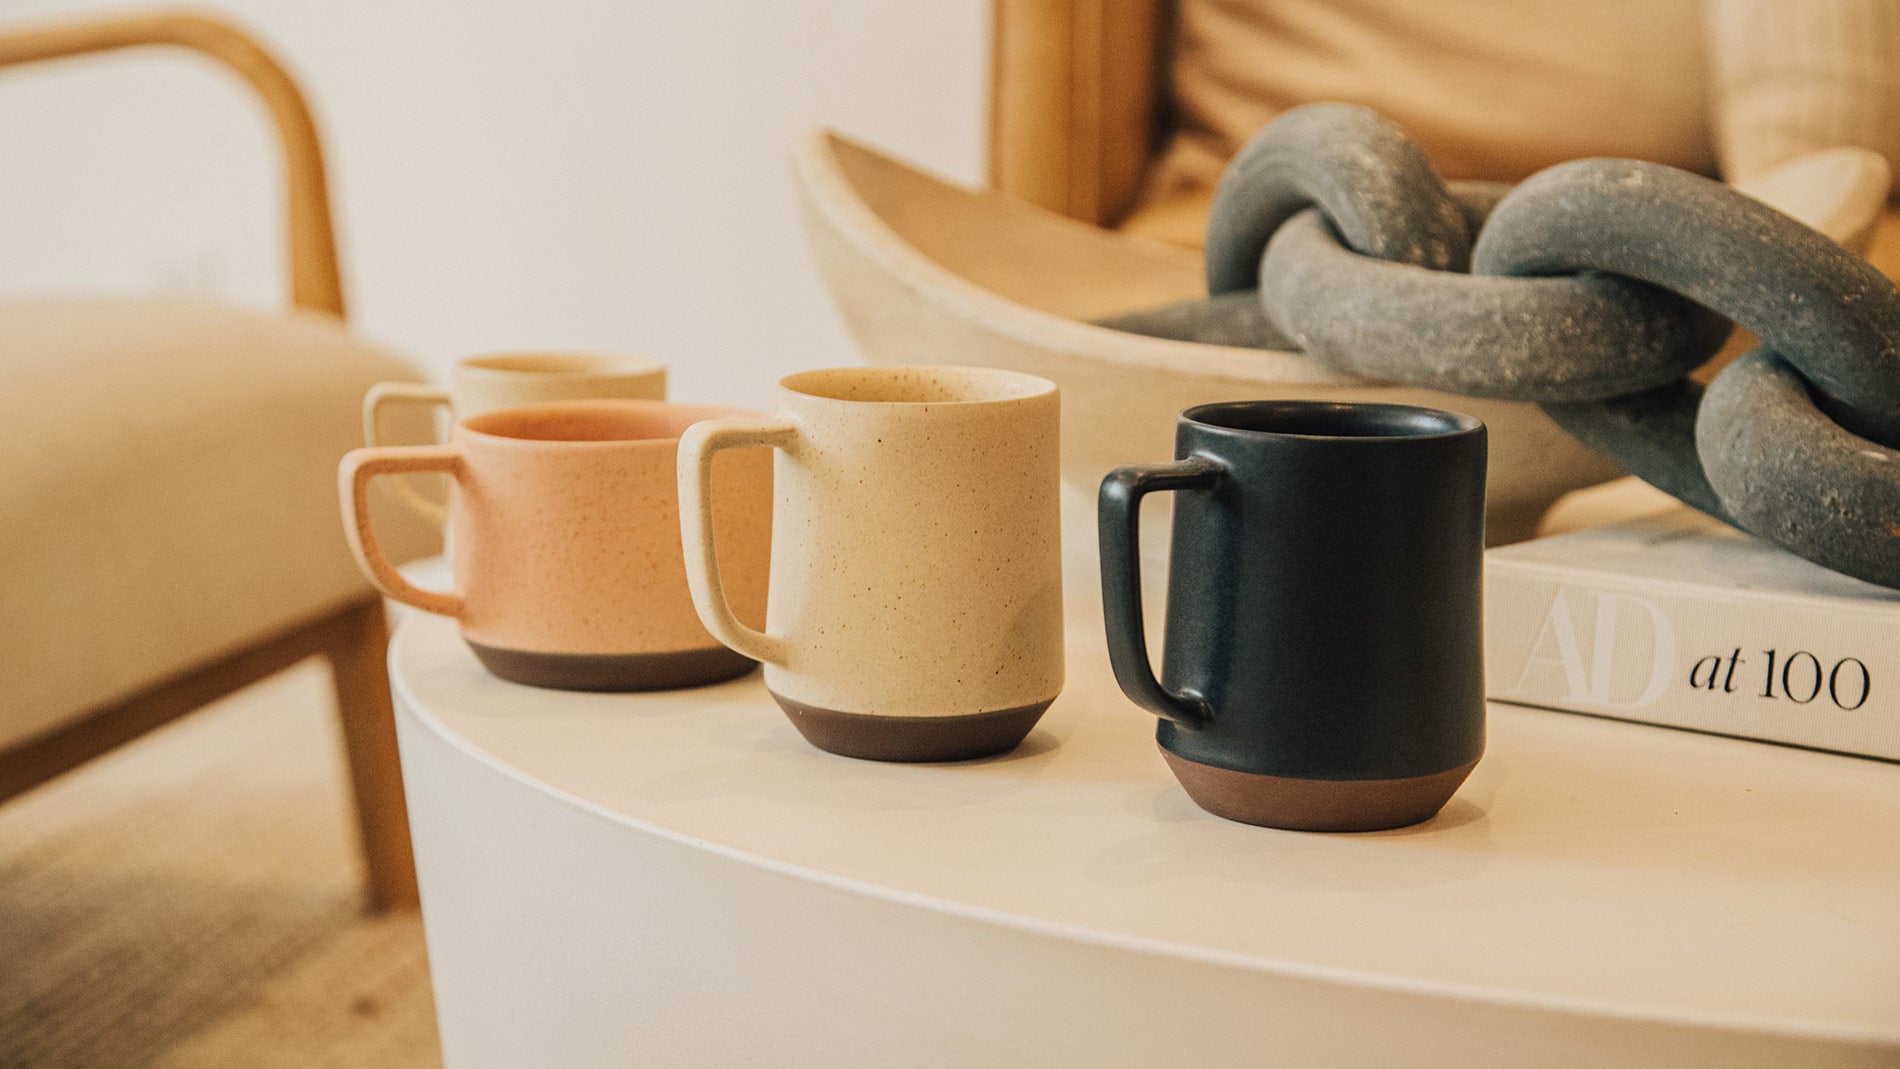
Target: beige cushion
x,y
1501,88
1491,88
1794,76
168,491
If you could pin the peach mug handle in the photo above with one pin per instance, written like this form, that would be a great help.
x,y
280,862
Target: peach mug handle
x,y
359,466
697,446
384,393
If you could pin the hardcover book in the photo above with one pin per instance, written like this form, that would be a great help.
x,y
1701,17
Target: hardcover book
x,y
1678,619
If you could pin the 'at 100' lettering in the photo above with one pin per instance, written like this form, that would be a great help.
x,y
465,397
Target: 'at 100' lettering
x,y
1800,677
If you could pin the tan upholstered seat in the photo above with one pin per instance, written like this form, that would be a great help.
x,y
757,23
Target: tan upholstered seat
x,y
168,521
169,492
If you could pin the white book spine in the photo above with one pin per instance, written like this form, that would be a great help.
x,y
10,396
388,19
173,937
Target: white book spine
x,y
1816,672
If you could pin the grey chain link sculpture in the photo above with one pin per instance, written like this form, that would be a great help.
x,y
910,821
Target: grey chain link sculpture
x,y
1593,288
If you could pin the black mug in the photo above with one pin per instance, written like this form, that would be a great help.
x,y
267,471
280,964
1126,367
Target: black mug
x,y
1324,656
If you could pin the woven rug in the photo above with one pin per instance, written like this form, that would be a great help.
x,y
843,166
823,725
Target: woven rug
x,y
193,899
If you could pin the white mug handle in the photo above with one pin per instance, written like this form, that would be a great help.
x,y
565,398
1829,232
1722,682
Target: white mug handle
x,y
384,393
697,446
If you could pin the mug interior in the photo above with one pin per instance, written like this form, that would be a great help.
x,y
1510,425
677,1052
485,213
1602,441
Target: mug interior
x,y
559,364
595,421
1332,419
917,385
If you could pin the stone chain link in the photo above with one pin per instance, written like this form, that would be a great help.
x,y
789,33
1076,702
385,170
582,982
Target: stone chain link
x,y
1593,288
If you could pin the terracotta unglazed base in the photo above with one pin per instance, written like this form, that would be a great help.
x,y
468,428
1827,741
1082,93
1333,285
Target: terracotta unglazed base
x,y
1316,804
614,671
912,738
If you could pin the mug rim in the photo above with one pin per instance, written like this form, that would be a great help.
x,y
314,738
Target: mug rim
x,y
1456,424
561,364
470,427
1029,386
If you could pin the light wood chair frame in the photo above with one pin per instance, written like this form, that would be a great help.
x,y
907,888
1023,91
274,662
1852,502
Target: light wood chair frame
x,y
353,636
1078,104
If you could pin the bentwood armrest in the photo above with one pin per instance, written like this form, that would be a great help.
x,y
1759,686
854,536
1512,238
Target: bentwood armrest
x,y
315,282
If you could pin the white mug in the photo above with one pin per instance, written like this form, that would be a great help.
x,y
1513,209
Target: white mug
x,y
915,604
510,380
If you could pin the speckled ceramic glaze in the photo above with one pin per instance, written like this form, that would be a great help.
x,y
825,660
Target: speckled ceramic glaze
x,y
510,380
568,571
916,603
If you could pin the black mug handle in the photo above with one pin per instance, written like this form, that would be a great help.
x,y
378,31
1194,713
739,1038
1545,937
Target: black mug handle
x,y
1118,515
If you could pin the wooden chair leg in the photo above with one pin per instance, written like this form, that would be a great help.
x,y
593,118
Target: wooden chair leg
x,y
360,671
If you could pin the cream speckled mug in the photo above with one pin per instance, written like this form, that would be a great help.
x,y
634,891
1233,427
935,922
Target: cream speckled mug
x,y
915,611
509,380
568,570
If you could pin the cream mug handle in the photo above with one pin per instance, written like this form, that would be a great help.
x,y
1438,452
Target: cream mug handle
x,y
384,393
697,446
359,466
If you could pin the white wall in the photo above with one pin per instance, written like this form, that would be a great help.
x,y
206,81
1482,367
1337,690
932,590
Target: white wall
x,y
599,174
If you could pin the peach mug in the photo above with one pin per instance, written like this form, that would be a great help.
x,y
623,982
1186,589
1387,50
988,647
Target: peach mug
x,y
916,603
509,380
568,571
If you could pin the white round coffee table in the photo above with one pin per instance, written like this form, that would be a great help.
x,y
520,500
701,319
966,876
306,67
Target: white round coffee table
x,y
678,879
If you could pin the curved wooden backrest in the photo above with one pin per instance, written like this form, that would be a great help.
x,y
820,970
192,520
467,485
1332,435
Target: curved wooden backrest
x,y
315,282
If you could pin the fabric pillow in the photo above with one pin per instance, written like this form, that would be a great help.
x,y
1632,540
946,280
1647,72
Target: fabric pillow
x,y
1501,88
1792,76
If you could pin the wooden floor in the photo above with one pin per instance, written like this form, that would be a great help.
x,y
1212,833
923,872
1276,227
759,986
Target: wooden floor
x,y
195,899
